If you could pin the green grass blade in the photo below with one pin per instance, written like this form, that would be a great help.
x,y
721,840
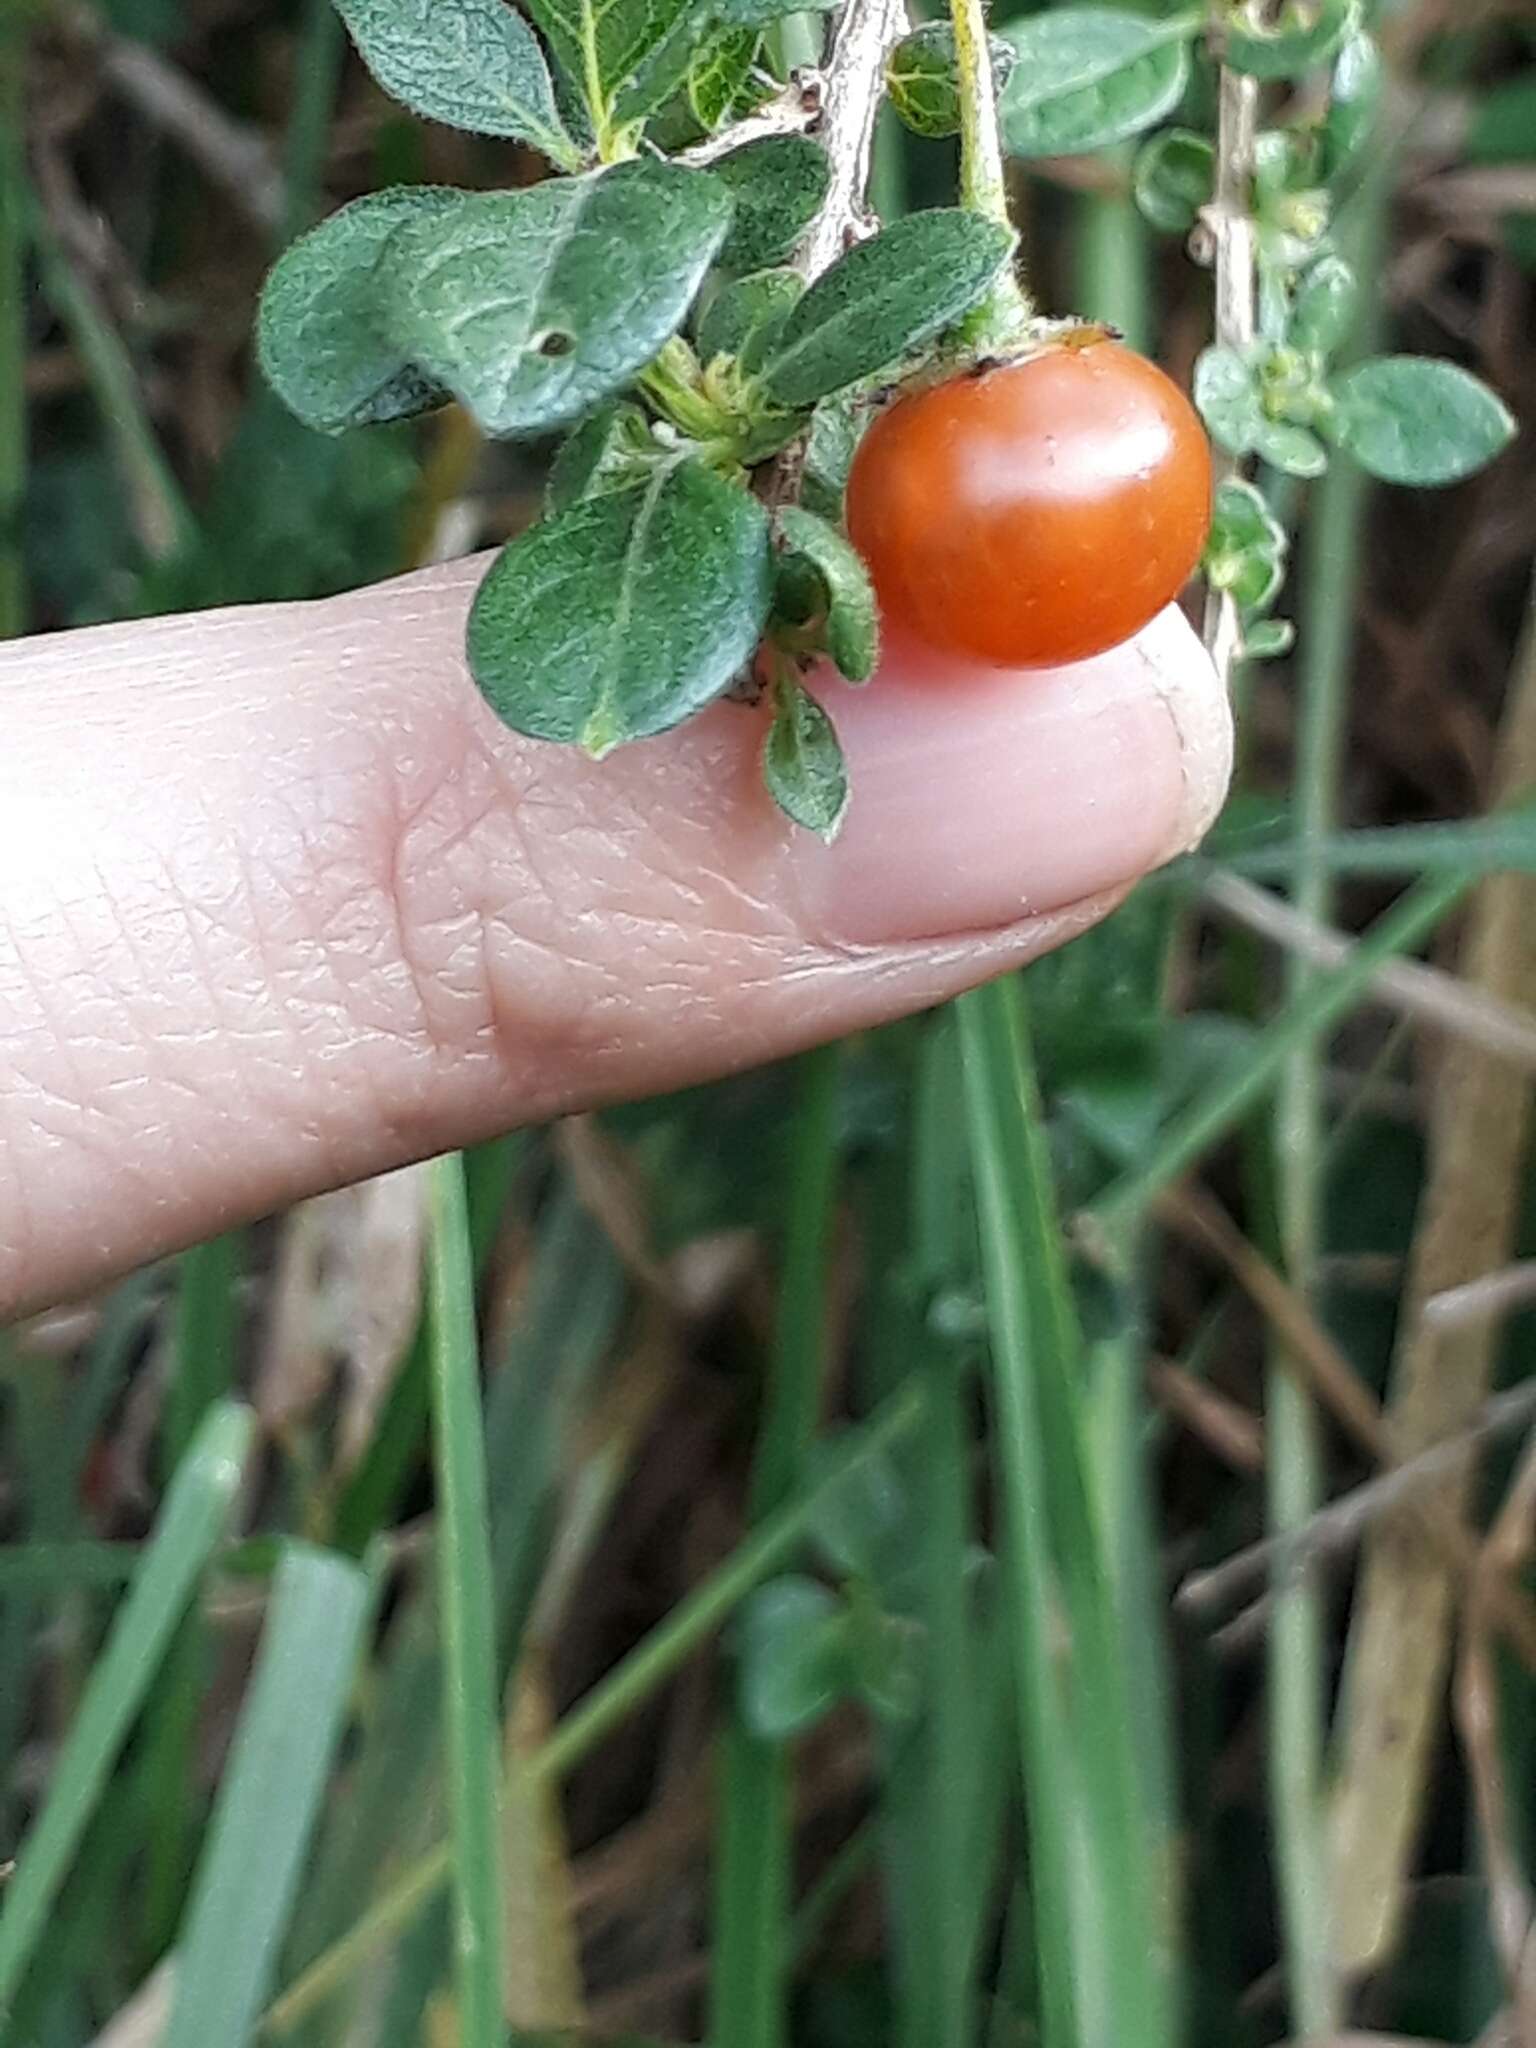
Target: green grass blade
x,y
1506,840
1055,1566
1027,1593
196,1507
654,1659
205,1329
463,1559
752,1946
1212,1116
373,1490
248,1875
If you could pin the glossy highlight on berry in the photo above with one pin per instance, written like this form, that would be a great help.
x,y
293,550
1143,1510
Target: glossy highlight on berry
x,y
1034,511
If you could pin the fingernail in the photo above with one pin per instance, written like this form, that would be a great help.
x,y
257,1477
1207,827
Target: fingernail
x,y
982,796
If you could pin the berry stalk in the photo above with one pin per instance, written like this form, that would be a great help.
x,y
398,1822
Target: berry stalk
x,y
1004,316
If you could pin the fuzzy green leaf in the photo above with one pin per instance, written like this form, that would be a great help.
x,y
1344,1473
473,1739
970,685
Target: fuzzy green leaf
x,y
834,433
1089,76
1304,34
605,46
1412,420
533,306
607,452
852,618
1324,309
664,73
759,13
923,79
321,336
1354,95
1286,446
624,614
1227,396
863,1524
718,80
1267,639
1245,552
803,764
746,316
882,1659
792,1666
886,296
777,185
1175,176
473,64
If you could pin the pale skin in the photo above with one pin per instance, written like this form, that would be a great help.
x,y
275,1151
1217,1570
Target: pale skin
x,y
282,905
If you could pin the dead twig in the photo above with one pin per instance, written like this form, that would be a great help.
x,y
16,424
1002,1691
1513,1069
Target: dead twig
x,y
1400,1634
1339,1526
1512,1904
1427,994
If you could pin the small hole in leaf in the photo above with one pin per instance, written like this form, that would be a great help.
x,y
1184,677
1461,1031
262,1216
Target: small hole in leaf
x,y
554,343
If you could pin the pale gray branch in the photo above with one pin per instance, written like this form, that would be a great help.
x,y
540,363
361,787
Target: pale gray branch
x,y
852,85
794,110
234,155
1424,993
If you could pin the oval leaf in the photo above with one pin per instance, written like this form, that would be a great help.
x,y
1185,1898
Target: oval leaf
x,y
884,297
1227,397
624,614
835,430
1412,420
1285,446
1246,550
1089,76
792,1656
1354,96
607,45
473,64
607,452
533,306
803,764
719,84
321,337
745,318
1324,308
852,625
1175,176
1268,639
1304,34
778,185
923,80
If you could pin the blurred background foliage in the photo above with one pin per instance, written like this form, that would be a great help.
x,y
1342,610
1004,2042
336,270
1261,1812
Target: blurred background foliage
x,y
808,1828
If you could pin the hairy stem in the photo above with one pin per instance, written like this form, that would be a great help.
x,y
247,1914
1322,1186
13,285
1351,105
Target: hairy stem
x,y
1004,314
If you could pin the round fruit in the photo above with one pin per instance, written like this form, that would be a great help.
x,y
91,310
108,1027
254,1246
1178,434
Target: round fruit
x,y
1037,511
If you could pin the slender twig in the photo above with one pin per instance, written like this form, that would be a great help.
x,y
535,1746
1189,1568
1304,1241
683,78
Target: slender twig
x,y
1340,1525
234,156
1427,994
162,517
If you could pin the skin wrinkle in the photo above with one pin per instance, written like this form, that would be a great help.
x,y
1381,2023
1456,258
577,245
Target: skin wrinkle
x,y
325,915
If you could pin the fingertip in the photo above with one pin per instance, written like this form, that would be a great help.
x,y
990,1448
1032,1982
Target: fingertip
x,y
983,796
